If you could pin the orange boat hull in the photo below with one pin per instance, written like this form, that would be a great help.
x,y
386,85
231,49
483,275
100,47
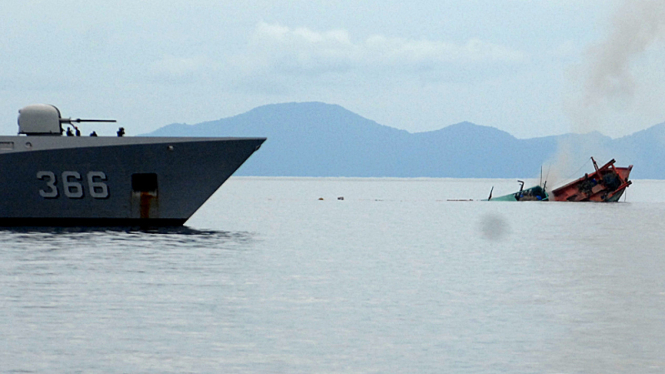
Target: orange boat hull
x,y
606,184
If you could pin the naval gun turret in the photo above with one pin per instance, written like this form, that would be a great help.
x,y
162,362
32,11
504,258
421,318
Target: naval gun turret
x,y
45,119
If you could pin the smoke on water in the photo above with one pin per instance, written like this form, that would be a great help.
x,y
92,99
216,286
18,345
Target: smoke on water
x,y
605,80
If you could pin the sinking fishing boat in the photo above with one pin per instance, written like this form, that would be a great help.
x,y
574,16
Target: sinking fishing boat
x,y
535,193
606,184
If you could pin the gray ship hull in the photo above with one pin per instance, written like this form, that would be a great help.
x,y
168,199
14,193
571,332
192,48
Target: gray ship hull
x,y
113,181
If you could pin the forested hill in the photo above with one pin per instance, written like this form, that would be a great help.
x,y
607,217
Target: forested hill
x,y
324,140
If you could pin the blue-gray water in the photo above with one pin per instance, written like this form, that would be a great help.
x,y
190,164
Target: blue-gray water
x,y
267,278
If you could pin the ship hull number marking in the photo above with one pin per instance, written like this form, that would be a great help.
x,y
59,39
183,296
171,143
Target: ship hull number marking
x,y
72,184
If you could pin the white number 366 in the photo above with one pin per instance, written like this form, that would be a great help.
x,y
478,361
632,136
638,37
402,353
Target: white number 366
x,y
71,185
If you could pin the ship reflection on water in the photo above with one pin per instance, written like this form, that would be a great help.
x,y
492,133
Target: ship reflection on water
x,y
113,238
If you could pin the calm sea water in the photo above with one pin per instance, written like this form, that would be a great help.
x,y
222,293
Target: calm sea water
x,y
267,278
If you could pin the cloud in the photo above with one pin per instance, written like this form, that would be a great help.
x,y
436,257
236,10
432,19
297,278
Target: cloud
x,y
180,69
276,56
279,49
565,51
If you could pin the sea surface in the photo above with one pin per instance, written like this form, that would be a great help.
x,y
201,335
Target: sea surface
x,y
282,275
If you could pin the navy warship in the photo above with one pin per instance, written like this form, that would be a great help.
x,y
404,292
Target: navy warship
x,y
51,179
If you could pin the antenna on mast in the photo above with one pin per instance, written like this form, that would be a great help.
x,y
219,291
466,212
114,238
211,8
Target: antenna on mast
x,y
541,175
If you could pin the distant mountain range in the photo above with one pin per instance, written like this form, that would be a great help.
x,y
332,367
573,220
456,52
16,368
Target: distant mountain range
x,y
324,140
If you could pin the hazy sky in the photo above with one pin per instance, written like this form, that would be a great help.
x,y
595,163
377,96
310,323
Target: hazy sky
x,y
529,67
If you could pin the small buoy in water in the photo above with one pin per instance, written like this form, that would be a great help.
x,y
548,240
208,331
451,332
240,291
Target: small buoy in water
x,y
340,198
